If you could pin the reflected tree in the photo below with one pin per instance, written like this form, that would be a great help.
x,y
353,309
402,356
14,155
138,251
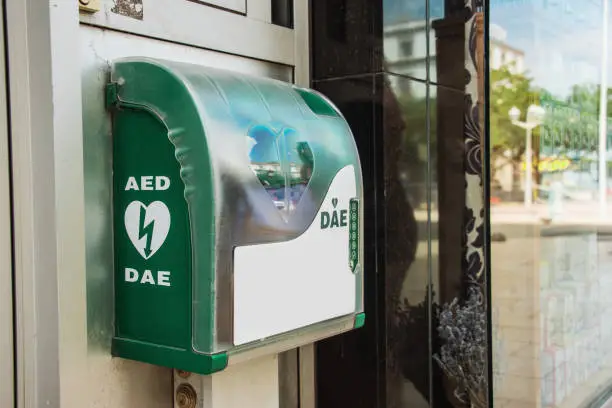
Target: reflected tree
x,y
570,125
508,90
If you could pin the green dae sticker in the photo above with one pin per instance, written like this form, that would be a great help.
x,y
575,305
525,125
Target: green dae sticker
x,y
335,218
354,234
342,218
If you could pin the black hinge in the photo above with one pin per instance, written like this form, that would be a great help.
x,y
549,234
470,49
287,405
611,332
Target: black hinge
x,y
112,96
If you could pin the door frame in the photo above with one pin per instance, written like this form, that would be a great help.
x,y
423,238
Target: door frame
x,y
7,362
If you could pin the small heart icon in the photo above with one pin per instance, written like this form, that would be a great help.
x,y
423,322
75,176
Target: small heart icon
x,y
147,226
334,202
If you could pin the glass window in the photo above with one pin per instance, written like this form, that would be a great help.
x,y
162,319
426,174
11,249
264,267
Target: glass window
x,y
404,37
551,252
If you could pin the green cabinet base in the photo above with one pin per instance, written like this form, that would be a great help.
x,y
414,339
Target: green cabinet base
x,y
170,357
359,320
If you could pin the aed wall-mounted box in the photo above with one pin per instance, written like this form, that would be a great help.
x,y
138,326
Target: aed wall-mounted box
x,y
237,216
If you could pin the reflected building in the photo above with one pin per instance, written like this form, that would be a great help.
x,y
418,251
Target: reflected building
x,y
406,53
501,53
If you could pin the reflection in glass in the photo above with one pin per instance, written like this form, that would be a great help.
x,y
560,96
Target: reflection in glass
x,y
405,41
406,155
550,229
283,164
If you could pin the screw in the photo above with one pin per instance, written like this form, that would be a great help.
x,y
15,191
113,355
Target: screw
x,y
186,396
183,374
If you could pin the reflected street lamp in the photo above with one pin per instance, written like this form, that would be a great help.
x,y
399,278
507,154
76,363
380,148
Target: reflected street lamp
x,y
535,117
603,113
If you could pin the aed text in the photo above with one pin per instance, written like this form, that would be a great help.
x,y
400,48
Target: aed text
x,y
148,183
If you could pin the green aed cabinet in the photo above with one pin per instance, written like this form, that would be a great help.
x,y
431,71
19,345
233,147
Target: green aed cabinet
x,y
237,207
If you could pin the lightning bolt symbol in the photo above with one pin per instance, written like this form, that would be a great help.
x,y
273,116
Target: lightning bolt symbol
x,y
145,230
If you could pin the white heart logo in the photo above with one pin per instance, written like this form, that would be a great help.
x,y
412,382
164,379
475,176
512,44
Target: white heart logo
x,y
147,227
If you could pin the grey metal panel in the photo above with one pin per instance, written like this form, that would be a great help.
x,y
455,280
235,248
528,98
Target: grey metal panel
x,y
251,384
235,5
48,206
6,280
306,361
56,355
260,10
302,42
188,22
288,379
307,376
69,204
98,47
